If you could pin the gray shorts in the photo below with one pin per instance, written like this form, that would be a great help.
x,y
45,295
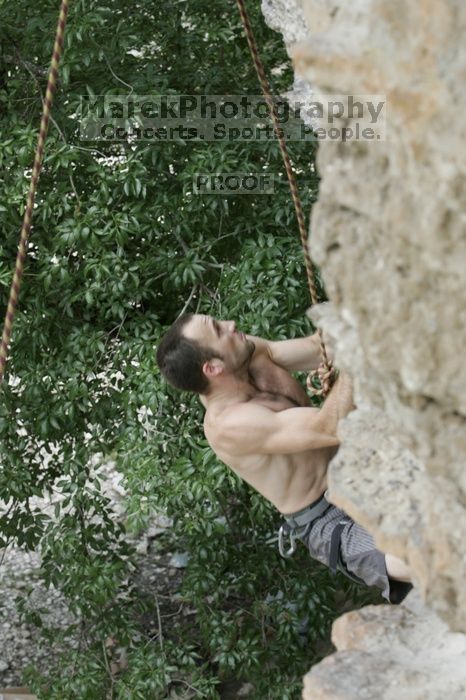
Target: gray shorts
x,y
358,555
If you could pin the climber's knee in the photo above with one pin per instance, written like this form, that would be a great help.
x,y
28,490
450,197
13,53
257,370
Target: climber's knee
x,y
396,568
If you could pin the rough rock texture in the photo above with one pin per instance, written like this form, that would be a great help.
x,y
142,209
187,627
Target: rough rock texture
x,y
391,653
389,235
293,32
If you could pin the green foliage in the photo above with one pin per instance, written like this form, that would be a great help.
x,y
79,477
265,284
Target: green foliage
x,y
119,244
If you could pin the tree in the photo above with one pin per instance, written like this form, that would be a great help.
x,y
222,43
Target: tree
x,y
120,245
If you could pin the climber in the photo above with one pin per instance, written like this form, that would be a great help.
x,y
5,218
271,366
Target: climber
x,y
260,423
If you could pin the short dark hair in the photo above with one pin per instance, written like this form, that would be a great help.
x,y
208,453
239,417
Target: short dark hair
x,y
180,359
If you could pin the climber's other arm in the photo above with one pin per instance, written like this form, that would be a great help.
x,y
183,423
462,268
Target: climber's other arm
x,y
295,355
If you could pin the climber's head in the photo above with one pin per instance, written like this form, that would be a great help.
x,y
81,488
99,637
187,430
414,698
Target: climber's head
x,y
199,351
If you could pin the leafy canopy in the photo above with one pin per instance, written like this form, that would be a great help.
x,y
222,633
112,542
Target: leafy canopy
x,y
120,245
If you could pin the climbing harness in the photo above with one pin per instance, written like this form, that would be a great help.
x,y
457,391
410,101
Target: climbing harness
x,y
36,168
326,373
296,524
284,532
335,540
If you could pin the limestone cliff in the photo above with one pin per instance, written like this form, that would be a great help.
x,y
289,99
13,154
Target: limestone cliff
x,y
389,235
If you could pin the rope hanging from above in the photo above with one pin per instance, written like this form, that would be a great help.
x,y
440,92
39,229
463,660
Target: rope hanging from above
x,y
36,168
326,373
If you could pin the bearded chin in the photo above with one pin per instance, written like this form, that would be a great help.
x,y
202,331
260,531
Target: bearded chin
x,y
249,353
242,362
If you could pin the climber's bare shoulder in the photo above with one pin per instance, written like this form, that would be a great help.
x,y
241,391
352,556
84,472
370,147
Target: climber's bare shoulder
x,y
234,433
246,427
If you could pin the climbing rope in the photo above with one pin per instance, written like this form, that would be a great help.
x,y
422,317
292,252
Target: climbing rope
x,y
36,168
326,373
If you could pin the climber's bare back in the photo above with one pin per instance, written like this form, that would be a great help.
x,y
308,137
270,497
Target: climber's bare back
x,y
289,481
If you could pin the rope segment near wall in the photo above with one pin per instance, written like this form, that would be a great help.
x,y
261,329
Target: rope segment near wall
x,y
326,373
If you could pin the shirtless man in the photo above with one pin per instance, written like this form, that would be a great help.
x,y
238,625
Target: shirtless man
x,y
259,422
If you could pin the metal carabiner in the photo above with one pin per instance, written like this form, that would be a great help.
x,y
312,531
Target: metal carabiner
x,y
283,532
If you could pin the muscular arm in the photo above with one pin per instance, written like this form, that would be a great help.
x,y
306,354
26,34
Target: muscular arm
x,y
339,402
295,355
254,429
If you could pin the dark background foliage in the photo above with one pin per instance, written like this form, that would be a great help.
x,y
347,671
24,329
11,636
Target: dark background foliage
x,y
119,246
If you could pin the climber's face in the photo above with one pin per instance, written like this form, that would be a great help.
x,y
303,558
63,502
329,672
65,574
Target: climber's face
x,y
231,348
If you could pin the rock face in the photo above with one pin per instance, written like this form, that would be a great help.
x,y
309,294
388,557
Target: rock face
x,y
391,653
389,234
277,13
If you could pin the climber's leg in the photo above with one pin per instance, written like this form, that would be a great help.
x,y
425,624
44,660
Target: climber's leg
x,y
396,568
359,557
